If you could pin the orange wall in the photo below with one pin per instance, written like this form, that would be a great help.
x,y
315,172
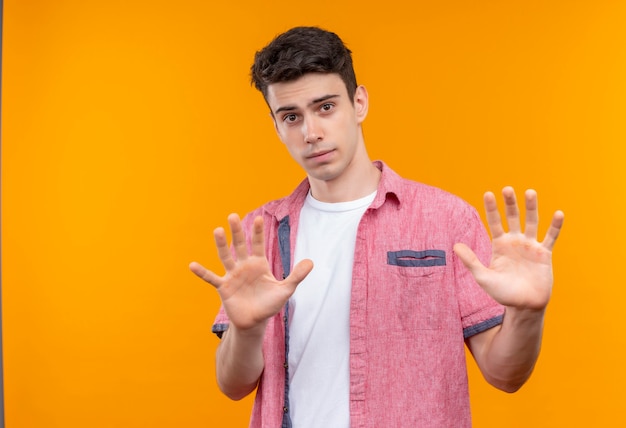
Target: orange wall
x,y
129,131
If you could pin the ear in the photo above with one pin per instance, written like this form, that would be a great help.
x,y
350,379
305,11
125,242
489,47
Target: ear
x,y
361,103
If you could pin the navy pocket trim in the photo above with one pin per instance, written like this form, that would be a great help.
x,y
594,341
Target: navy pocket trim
x,y
410,258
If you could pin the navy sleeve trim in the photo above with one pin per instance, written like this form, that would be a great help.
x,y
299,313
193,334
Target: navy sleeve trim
x,y
480,327
219,329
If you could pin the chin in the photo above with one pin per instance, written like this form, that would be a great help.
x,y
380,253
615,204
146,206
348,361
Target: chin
x,y
324,173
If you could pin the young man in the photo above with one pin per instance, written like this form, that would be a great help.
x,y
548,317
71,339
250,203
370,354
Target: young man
x,y
349,302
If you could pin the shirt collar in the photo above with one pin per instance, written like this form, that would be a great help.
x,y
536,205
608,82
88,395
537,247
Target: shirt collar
x,y
390,188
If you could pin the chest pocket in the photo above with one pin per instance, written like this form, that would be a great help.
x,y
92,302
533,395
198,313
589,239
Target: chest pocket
x,y
421,298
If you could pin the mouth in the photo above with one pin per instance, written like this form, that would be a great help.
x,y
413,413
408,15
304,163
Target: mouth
x,y
319,154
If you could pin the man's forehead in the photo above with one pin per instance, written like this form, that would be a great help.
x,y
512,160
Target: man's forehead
x,y
304,90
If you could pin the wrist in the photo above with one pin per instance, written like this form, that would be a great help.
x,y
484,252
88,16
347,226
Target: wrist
x,y
524,315
249,332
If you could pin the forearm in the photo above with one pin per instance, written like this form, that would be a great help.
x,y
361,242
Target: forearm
x,y
511,355
239,361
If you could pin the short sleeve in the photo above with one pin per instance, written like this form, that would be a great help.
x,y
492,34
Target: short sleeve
x,y
220,325
479,311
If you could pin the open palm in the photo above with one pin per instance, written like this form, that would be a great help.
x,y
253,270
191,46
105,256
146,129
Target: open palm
x,y
249,291
520,272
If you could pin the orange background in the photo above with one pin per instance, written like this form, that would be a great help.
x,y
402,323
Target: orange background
x,y
130,131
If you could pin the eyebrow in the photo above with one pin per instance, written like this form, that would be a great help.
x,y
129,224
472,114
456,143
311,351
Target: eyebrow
x,y
315,101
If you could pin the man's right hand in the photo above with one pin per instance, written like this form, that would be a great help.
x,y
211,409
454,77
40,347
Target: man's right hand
x,y
249,291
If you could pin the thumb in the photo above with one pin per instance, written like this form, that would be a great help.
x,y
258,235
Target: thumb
x,y
299,272
469,259
205,274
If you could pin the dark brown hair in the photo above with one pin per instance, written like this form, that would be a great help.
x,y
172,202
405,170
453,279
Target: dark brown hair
x,y
299,51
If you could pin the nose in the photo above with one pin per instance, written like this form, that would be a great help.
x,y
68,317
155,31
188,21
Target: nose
x,y
312,130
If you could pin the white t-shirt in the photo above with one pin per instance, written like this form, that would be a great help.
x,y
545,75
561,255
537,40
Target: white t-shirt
x,y
319,314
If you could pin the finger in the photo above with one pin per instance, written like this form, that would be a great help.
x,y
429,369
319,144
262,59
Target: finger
x,y
205,274
222,248
239,237
553,231
532,215
258,238
510,209
493,216
470,260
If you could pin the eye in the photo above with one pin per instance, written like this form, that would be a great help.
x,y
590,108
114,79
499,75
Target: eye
x,y
327,107
290,118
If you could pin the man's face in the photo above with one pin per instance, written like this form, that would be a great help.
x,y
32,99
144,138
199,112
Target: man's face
x,y
319,124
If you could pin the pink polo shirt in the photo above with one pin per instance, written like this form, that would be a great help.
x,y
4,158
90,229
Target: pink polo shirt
x,y
413,305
